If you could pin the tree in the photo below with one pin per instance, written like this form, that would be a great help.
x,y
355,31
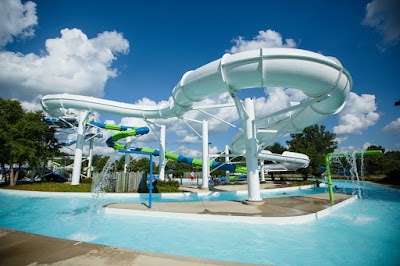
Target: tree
x,y
375,164
24,138
276,148
143,164
96,158
316,142
178,168
10,112
99,164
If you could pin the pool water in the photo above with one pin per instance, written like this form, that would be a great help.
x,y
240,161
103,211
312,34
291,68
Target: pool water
x,y
365,232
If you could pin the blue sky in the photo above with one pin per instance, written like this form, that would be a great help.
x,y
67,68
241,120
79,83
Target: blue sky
x,y
140,50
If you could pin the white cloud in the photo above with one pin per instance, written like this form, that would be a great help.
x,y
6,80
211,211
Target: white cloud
x,y
186,136
73,63
190,139
16,20
358,114
351,148
264,39
366,145
183,150
393,127
340,139
181,132
171,124
213,150
228,114
345,149
278,99
384,16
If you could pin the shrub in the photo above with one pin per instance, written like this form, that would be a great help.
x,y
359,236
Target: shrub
x,y
392,177
166,186
86,181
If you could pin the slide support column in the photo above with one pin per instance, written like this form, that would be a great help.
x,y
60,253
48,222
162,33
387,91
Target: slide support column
x,y
161,162
262,170
206,158
227,173
79,148
90,160
253,181
127,155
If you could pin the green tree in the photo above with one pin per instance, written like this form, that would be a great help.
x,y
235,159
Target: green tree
x,y
316,142
276,148
10,112
178,168
100,163
392,167
24,138
96,158
375,164
143,164
32,142
119,165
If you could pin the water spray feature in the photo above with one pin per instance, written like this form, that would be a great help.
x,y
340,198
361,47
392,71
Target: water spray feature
x,y
351,160
100,184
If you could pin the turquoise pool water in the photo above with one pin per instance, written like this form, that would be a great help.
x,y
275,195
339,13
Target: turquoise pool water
x,y
366,232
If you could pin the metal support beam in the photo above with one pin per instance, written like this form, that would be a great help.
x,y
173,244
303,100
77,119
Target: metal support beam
x,y
161,162
227,173
80,139
127,155
206,159
262,170
253,181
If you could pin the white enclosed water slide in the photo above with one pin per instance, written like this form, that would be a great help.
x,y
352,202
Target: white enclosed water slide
x,y
323,79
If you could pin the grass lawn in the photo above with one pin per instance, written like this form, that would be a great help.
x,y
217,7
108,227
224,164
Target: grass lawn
x,y
53,187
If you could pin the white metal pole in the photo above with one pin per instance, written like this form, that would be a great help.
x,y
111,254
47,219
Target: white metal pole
x,y
127,161
92,130
206,159
227,173
90,160
79,148
161,162
262,170
253,181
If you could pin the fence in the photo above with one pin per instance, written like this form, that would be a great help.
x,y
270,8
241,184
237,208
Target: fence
x,y
124,182
121,182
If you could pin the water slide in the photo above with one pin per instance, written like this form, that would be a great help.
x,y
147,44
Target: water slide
x,y
293,161
61,123
127,131
68,123
87,136
323,79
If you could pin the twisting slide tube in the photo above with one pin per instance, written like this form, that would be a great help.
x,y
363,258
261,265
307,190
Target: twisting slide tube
x,y
127,131
196,162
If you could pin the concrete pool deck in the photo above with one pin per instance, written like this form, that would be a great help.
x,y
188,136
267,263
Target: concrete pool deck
x,y
285,210
19,248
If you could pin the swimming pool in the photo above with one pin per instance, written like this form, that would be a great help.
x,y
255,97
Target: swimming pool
x,y
365,232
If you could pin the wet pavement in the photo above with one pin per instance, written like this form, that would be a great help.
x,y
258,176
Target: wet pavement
x,y
271,207
19,248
